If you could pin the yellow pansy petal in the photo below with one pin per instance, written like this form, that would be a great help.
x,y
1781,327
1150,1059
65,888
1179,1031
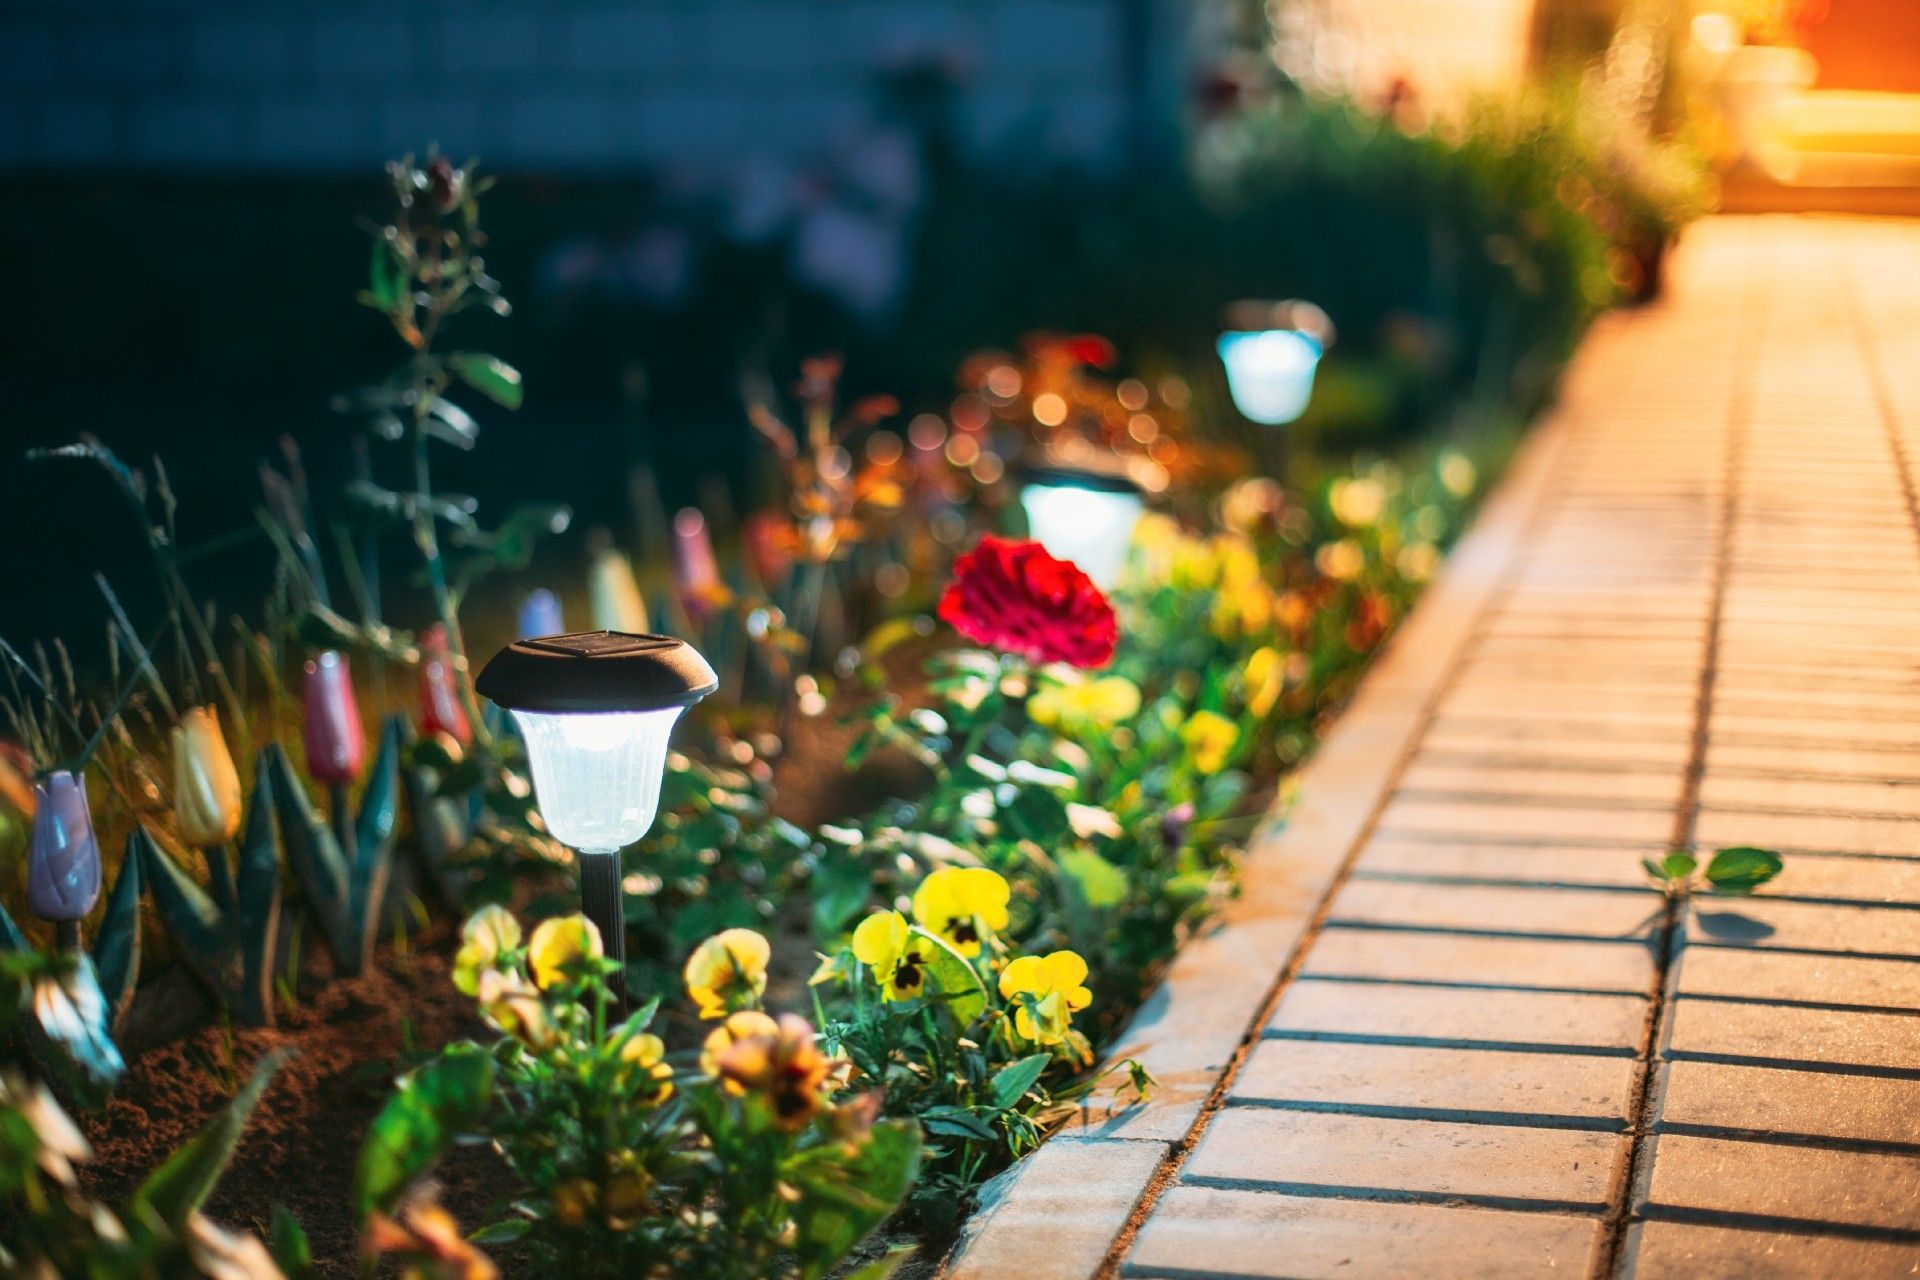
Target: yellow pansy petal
x,y
880,940
561,942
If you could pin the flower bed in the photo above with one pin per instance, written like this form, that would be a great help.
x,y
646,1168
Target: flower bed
x,y
828,1032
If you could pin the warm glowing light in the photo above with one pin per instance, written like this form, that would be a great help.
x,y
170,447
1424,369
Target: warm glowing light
x,y
1049,409
1270,372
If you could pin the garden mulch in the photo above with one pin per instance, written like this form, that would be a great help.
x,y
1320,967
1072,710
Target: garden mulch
x,y
1450,1029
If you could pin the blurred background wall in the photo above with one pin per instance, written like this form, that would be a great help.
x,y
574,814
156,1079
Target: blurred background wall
x,y
562,85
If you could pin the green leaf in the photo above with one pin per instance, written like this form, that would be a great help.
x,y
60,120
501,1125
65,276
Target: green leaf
x,y
433,1106
883,1268
1011,1082
954,979
505,1231
956,1122
844,1198
490,376
385,278
191,918
176,1190
256,905
1675,868
116,946
287,1242
1742,869
1097,882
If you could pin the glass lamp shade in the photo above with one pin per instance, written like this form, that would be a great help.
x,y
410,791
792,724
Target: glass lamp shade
x,y
1270,372
596,774
1092,527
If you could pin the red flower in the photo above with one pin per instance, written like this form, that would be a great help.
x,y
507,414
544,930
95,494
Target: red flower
x,y
336,748
1015,597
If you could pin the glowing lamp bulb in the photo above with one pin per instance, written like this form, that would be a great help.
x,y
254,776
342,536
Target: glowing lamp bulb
x,y
596,775
1270,372
1083,516
595,709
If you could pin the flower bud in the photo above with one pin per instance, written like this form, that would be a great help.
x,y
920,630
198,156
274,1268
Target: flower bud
x,y
206,787
617,605
540,615
336,747
696,574
63,862
440,707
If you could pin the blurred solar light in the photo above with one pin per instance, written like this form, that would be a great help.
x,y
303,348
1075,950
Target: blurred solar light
x,y
1083,515
1271,351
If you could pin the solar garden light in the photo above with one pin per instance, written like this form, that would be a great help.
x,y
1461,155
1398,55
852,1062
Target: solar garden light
x,y
595,709
1271,350
1084,515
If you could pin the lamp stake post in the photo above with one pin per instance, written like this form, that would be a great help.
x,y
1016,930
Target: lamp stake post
x,y
595,709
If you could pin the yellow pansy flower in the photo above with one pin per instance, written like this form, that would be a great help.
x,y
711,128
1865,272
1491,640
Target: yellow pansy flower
x,y
487,934
559,944
1239,562
1056,985
1085,705
744,1025
1264,678
512,1004
647,1054
1210,738
886,944
727,972
962,905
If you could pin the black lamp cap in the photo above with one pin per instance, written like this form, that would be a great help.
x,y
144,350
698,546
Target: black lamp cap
x,y
1053,475
589,671
1293,313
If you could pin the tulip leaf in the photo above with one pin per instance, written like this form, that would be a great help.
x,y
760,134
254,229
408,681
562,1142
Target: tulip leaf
x,y
192,919
1742,869
374,830
176,1190
255,920
386,278
432,1107
842,1199
287,1242
321,869
447,421
11,938
116,945
490,376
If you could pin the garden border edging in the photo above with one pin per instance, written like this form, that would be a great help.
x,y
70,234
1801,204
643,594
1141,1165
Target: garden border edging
x,y
1065,1211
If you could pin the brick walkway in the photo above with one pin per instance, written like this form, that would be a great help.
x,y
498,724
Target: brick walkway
x,y
1449,1031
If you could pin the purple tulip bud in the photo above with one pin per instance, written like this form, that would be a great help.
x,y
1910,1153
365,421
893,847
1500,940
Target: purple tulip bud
x,y
1175,823
540,615
63,864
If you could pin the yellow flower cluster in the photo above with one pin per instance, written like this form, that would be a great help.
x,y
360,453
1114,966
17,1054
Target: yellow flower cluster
x,y
1077,706
961,910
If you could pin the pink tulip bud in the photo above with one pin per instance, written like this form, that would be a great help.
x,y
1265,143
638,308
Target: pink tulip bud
x,y
440,708
63,862
695,572
336,747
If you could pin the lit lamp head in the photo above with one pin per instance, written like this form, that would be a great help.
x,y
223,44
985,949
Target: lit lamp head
x,y
595,709
1271,350
1083,515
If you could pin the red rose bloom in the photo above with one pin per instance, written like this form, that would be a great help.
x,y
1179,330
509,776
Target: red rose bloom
x,y
1015,597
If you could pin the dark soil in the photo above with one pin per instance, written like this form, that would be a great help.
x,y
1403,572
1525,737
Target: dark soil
x,y
347,1039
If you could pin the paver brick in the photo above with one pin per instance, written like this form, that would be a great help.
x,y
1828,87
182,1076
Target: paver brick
x,y
1791,1183
1057,1214
1615,866
1310,1007
1759,975
1261,1147
1787,1032
1773,1100
1240,1233
1583,913
1683,1251
1624,966
1420,1079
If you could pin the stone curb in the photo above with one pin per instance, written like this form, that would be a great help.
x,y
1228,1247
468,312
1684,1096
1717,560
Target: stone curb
x,y
1059,1214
